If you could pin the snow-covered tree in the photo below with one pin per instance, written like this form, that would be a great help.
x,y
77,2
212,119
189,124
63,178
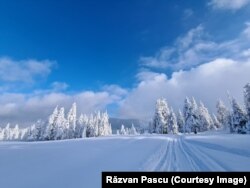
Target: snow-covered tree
x,y
32,133
247,102
90,130
191,115
239,118
81,126
247,99
132,130
216,123
1,134
71,118
60,125
38,130
223,115
173,127
24,134
107,130
187,115
180,122
160,121
7,132
206,122
14,133
51,128
123,130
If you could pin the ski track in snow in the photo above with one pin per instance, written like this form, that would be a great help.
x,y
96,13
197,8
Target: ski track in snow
x,y
79,163
177,155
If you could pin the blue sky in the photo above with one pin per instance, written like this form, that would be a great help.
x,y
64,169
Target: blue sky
x,y
111,54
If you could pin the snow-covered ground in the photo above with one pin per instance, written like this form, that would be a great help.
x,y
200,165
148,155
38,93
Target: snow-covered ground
x,y
79,163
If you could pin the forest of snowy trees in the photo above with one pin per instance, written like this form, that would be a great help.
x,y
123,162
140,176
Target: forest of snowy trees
x,y
193,118
196,117
59,127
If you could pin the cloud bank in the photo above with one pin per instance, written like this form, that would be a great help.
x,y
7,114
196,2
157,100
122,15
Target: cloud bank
x,y
207,82
228,4
27,108
25,70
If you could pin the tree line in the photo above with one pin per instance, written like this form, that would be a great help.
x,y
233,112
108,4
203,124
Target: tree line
x,y
196,117
59,127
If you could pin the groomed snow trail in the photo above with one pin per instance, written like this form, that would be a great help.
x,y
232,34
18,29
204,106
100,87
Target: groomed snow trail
x,y
191,153
79,163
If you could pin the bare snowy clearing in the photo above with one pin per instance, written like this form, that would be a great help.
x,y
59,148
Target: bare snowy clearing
x,y
79,163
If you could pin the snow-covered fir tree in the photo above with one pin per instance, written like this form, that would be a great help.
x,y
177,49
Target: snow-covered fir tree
x,y
247,98
196,116
60,125
160,120
107,129
216,123
247,102
71,120
180,122
50,131
81,126
187,115
32,133
122,130
6,132
191,116
14,133
132,130
90,130
206,122
173,127
223,115
239,118
36,131
1,133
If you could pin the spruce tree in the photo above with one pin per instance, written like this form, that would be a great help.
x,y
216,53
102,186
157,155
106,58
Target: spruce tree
x,y
180,122
206,122
223,115
239,118
160,121
173,127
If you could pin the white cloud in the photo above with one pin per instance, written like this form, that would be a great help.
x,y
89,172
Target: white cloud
x,y
246,53
146,75
27,108
26,71
207,82
115,89
228,4
59,86
186,51
195,48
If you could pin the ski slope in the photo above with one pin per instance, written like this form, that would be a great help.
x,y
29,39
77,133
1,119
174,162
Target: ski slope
x,y
79,163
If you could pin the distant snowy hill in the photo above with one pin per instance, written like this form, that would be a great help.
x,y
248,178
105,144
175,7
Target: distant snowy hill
x,y
79,162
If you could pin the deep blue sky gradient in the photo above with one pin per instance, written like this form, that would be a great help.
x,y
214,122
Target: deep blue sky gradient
x,y
99,42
